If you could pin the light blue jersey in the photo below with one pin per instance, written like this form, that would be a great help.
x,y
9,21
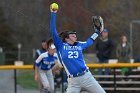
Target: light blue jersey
x,y
46,61
71,55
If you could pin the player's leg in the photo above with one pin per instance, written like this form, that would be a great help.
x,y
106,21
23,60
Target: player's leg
x,y
44,81
94,87
40,86
91,85
73,85
73,89
51,80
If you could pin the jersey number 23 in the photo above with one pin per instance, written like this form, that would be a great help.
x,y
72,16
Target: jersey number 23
x,y
73,54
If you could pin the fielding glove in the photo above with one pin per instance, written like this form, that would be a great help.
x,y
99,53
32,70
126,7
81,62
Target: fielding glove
x,y
97,23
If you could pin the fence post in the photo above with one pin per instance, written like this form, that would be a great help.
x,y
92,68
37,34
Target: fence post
x,y
15,80
114,72
62,80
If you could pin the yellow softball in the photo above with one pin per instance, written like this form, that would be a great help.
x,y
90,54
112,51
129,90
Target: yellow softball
x,y
54,6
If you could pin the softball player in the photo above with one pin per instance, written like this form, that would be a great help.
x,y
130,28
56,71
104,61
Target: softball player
x,y
70,51
38,53
41,50
43,68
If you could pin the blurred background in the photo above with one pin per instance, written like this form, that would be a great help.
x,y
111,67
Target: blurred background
x,y
25,23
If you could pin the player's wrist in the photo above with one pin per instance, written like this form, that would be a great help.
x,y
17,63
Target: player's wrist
x,y
53,13
97,31
94,36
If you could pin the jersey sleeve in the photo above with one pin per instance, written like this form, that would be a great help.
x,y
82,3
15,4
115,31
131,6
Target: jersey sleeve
x,y
38,60
57,41
87,43
55,56
90,40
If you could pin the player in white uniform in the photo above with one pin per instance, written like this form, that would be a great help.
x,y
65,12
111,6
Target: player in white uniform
x,y
70,51
37,54
43,68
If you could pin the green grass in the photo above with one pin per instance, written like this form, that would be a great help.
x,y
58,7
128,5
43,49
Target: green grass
x,y
26,79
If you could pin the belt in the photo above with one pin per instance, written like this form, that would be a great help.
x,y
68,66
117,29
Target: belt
x,y
78,74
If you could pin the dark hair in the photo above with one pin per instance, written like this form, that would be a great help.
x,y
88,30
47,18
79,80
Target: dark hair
x,y
49,42
43,40
66,34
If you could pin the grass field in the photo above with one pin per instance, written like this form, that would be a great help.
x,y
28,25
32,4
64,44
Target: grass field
x,y
25,78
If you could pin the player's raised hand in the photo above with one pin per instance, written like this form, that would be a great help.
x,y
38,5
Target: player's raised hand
x,y
54,7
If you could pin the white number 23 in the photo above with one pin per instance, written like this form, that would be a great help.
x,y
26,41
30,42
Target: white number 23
x,y
73,54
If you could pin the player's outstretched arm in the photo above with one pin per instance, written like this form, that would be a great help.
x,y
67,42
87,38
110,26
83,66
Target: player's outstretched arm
x,y
55,36
98,25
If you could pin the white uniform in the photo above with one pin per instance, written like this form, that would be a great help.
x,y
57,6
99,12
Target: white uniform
x,y
45,62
